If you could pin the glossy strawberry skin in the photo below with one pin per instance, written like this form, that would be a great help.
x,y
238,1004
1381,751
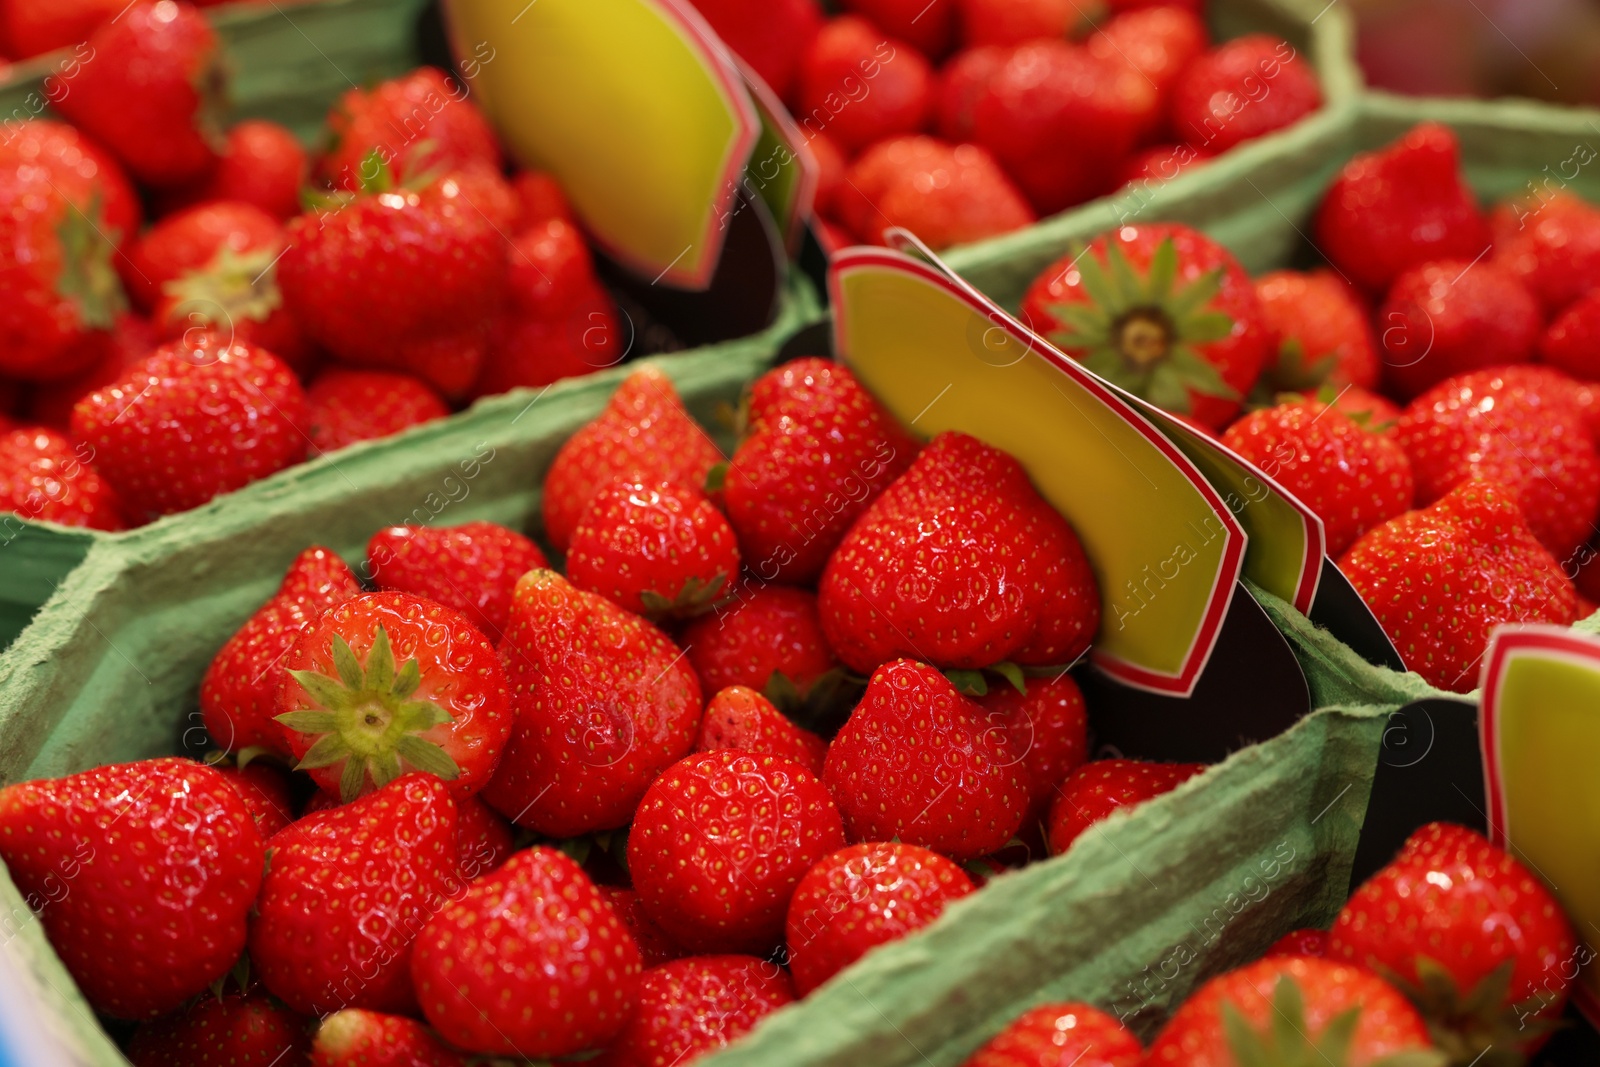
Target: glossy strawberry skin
x,y
861,897
1448,317
473,567
345,406
1552,244
483,837
1158,42
264,788
765,629
691,1007
527,352
419,121
771,38
30,29
1323,315
234,1030
655,947
530,960
848,53
357,1038
44,477
1571,343
946,194
1049,724
1241,90
262,164
1014,22
116,859
743,720
961,83
1096,790
132,340
930,30
1061,1035
719,842
80,168
604,703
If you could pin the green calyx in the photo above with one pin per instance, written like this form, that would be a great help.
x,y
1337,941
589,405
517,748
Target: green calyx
x,y
87,277
1285,1042
233,286
1478,1026
974,684
1293,371
1142,332
695,598
367,720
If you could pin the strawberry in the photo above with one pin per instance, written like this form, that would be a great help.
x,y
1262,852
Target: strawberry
x,y
1161,310
655,947
1061,1035
1352,479
860,86
644,434
528,961
197,418
265,791
960,83
239,693
261,164
661,550
347,893
818,451
148,91
719,842
526,352
417,122
83,171
118,860
357,1038
1096,791
472,568
742,719
691,1007
920,763
946,194
604,703
1441,579
961,499
1373,413
1447,317
772,38
551,269
1300,943
483,837
383,683
131,342
768,638
861,897
539,199
345,405
1323,331
232,1030
1295,1011
1400,206
1241,90
1552,244
1158,42
1013,22
1571,343
29,29
45,478
929,29
831,163
1469,934
1155,166
1512,425
1049,725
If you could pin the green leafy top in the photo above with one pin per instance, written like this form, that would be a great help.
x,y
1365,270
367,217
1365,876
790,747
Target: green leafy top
x,y
1285,1042
87,277
233,286
1476,1025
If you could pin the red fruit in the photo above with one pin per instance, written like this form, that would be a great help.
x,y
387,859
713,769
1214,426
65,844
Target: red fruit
x,y
1469,934
919,762
929,28
146,93
604,703
483,838
1572,342
655,947
196,419
1159,164
945,194
859,86
691,1007
261,164
771,37
831,162
1287,1008
1158,42
719,842
357,1038
1013,22
472,568
1241,90
960,83
765,631
132,340
44,477
962,563
1324,333
861,897
529,352
530,961
415,123
1300,943
30,28
1049,725
1096,791
80,169
239,694
1353,480
346,894
742,719
385,683
237,1030
117,862
644,435
1441,579
1196,359
1373,413
1552,244
1449,317
265,791
1061,1035
539,199
551,269
1398,207
344,406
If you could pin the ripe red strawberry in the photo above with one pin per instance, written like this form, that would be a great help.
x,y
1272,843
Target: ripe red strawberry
x,y
197,418
604,703
1400,206
261,164
526,353
142,874
1190,338
530,961
644,434
657,549
1061,1035
930,30
539,199
860,86
742,719
483,838
1159,164
918,762
1095,791
1013,22
1160,43
79,168
420,121
132,340
947,194
344,405
551,269
831,163
473,567
147,93
861,897
1323,332
1019,560
1571,343
44,477
1353,480
1469,934
1295,1010
691,1007
1552,244
357,1038
346,894
719,842
29,29
1373,413
960,83
384,683
1241,90
771,39
1300,943
1512,425
766,630
1441,579
265,791
239,693
1450,316
1049,725
655,947
233,1030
